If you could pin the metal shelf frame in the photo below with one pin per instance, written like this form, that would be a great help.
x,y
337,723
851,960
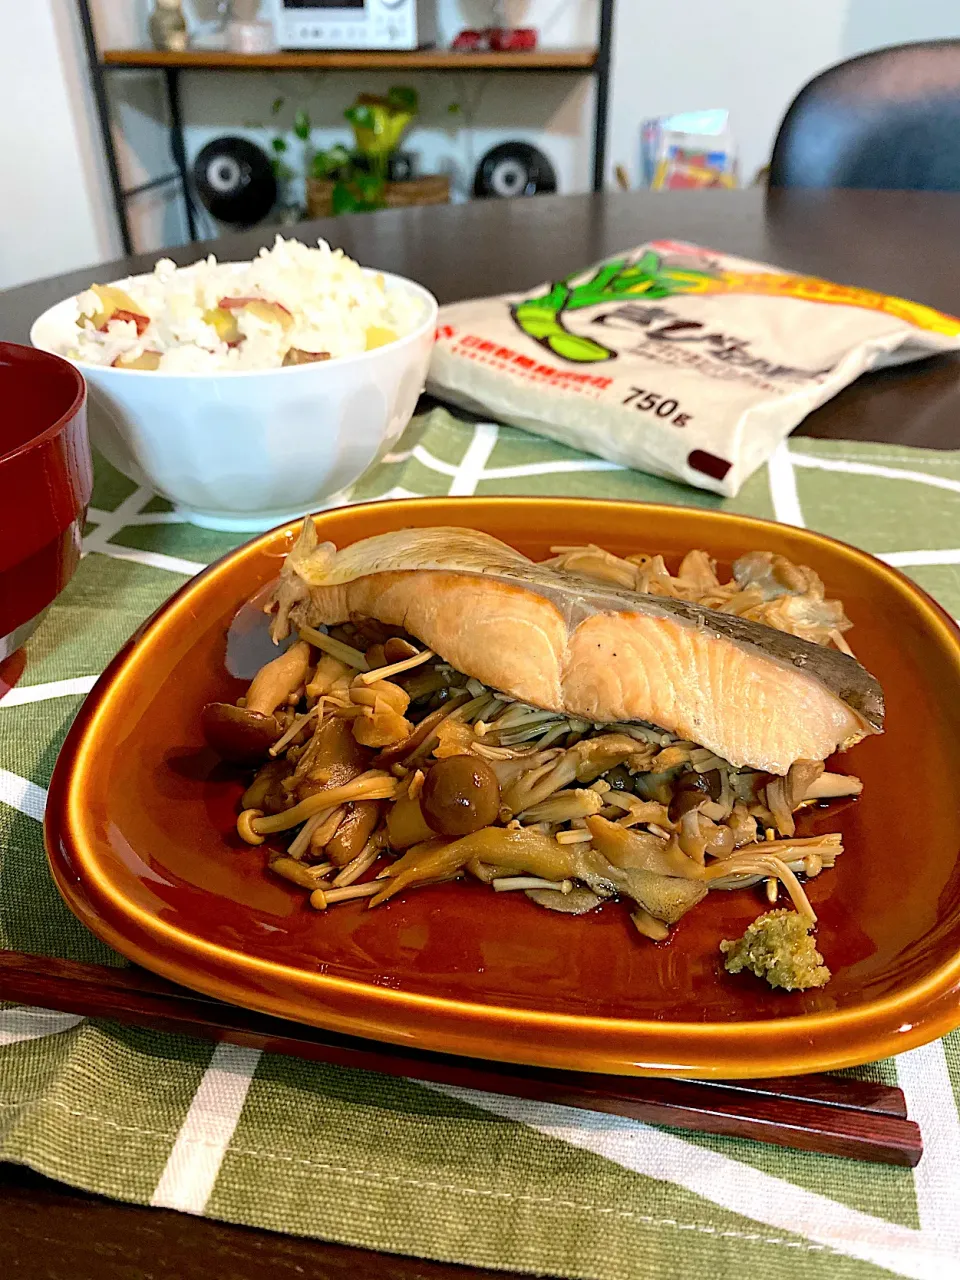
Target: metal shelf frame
x,y
101,63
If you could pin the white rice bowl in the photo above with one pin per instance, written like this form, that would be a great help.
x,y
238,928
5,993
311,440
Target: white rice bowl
x,y
335,307
230,436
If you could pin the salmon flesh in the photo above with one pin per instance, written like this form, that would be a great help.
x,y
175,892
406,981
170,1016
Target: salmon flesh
x,y
753,695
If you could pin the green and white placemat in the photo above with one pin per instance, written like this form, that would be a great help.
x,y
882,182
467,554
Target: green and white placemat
x,y
396,1165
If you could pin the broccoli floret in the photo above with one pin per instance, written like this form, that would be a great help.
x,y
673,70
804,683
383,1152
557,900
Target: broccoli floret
x,y
778,947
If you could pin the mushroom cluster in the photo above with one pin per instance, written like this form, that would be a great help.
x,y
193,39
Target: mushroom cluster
x,y
383,769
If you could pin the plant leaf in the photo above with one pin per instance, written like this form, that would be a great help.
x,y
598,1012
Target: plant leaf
x,y
361,116
277,106
344,201
370,186
336,161
279,145
325,163
301,125
362,194
403,98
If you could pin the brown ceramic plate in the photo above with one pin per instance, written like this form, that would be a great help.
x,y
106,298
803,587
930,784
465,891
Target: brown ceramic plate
x,y
140,832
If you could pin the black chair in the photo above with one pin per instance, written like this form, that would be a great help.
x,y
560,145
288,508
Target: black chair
x,y
889,120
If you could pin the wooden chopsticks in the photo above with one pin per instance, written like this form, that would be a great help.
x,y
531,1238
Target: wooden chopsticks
x,y
832,1115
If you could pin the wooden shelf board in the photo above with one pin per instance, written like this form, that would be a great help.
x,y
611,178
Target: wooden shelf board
x,y
344,60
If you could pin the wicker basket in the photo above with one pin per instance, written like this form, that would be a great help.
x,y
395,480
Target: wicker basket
x,y
432,189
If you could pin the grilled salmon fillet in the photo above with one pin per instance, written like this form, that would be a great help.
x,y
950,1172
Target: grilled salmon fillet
x,y
754,695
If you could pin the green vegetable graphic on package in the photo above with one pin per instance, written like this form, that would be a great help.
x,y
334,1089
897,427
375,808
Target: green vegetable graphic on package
x,y
542,318
651,276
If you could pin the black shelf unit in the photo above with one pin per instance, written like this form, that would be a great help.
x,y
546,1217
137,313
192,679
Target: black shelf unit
x,y
595,62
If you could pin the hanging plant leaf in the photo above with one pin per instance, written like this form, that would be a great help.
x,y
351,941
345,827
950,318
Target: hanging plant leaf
x,y
301,125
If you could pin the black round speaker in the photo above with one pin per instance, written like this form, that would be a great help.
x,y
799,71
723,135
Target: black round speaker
x,y
514,169
235,182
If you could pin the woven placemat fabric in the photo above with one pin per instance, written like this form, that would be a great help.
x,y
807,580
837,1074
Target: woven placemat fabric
x,y
396,1165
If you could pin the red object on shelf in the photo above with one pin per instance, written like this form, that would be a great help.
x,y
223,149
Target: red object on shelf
x,y
469,42
496,40
512,39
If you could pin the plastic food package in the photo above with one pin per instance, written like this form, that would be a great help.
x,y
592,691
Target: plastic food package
x,y
674,359
693,149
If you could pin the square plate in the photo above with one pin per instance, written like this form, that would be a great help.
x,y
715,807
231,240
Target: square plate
x,y
141,839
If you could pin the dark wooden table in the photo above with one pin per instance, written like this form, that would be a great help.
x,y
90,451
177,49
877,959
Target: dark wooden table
x,y
898,242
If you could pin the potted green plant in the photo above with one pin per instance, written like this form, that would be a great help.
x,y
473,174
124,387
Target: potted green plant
x,y
355,181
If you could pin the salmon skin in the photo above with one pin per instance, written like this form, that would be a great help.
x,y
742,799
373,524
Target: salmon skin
x,y
754,695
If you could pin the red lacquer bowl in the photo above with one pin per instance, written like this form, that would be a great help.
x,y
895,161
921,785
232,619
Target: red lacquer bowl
x,y
46,478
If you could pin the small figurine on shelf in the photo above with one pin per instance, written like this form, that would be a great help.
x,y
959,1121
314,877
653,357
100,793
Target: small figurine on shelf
x,y
168,26
245,32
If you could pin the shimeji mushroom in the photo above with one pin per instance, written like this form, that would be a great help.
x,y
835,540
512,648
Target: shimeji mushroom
x,y
245,734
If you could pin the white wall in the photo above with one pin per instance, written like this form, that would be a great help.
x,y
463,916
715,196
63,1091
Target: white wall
x,y
750,56
53,215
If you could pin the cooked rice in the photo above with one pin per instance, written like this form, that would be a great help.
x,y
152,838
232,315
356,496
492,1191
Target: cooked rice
x,y
334,304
